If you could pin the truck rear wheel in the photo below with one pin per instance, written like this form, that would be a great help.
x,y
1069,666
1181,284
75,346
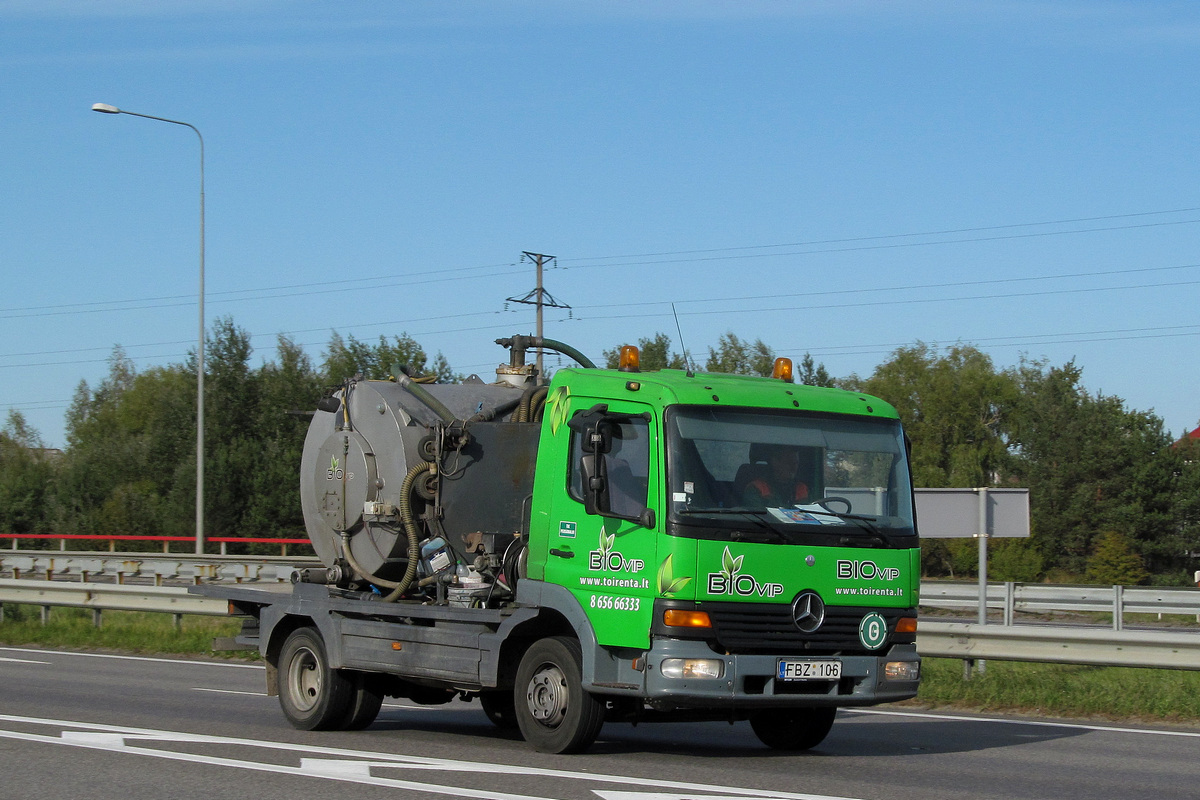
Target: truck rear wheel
x,y
500,709
366,700
554,712
313,696
794,729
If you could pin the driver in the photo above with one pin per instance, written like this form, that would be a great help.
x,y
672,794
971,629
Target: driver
x,y
781,485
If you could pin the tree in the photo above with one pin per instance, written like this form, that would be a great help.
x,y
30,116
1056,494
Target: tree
x,y
953,407
345,358
290,387
655,354
26,476
812,374
736,357
1114,563
1092,466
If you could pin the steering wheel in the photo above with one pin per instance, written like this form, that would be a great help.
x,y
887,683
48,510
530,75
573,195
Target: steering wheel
x,y
825,501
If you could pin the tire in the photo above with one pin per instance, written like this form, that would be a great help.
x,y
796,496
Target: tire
x,y
366,700
313,696
500,708
553,711
793,729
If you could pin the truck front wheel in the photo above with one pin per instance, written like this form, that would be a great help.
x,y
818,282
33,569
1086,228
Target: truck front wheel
x,y
796,729
553,711
313,696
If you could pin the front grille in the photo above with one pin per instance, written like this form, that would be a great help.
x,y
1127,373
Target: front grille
x,y
767,628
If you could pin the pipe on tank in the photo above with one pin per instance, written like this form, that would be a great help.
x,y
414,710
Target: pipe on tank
x,y
410,531
424,397
519,344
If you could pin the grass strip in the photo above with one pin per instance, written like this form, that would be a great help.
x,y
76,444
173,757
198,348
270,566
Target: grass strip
x,y
125,631
1065,690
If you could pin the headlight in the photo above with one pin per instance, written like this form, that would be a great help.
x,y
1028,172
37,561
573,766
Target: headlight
x,y
902,670
693,667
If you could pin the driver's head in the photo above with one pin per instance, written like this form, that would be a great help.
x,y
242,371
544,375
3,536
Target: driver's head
x,y
784,461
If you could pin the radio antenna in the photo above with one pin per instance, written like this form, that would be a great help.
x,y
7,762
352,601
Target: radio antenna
x,y
687,357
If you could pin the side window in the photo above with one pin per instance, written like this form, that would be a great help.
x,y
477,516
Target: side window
x,y
628,466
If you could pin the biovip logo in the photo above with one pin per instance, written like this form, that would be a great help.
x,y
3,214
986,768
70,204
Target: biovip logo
x,y
865,570
730,580
609,560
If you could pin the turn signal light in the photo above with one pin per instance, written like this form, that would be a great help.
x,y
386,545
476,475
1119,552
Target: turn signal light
x,y
680,618
906,625
630,360
782,370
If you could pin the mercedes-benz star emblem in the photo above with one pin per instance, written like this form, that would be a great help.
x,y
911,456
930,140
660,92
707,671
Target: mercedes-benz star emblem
x,y
808,611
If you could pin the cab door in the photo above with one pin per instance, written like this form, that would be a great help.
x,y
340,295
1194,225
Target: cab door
x,y
606,559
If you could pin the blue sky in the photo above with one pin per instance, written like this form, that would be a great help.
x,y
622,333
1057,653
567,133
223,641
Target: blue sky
x,y
840,178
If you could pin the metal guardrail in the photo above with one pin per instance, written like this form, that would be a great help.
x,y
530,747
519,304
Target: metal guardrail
x,y
1011,598
1162,649
110,597
84,567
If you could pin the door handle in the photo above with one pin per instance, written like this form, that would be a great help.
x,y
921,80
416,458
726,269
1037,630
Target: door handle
x,y
561,553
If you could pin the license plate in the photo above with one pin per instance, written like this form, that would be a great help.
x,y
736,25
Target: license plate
x,y
809,670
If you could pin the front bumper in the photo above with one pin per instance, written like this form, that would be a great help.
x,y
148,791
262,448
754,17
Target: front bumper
x,y
750,680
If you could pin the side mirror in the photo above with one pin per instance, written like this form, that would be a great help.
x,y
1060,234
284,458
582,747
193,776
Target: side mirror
x,y
595,483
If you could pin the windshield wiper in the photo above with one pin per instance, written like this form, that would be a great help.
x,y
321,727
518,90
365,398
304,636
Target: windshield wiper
x,y
866,523
757,516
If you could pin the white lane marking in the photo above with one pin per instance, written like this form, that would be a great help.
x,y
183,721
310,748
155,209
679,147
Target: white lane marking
x,y
22,660
118,656
1032,722
927,715
322,767
227,691
672,796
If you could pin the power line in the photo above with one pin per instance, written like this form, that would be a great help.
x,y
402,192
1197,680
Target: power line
x,y
833,351
269,293
893,246
667,303
881,237
443,275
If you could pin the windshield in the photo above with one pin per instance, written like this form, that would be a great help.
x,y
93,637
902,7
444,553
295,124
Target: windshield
x,y
788,473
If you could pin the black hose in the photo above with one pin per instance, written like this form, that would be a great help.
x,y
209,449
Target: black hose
x,y
519,344
497,411
425,398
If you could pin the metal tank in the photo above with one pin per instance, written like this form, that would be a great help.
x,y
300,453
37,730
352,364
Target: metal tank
x,y
356,458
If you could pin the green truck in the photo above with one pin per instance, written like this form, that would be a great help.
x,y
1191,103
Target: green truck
x,y
614,545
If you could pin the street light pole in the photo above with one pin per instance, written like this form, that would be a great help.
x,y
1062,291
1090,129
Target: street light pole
x,y
104,108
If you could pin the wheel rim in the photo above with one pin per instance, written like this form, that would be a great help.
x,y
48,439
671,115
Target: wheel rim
x,y
304,679
547,695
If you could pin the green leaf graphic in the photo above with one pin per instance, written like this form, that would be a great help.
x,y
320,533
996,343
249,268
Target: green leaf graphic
x,y
667,582
556,404
727,563
677,585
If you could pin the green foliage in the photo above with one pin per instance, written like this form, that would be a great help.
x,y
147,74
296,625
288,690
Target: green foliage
x,y
346,358
1091,466
126,631
26,475
1113,562
736,357
953,406
130,464
1017,560
655,355
1064,690
813,374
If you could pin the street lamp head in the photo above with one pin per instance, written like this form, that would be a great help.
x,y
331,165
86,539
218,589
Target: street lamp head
x,y
105,108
